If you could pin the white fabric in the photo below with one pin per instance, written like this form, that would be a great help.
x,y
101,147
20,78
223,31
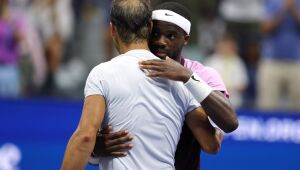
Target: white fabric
x,y
94,160
172,17
152,109
198,87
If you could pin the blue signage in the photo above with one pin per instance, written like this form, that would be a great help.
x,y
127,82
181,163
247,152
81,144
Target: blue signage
x,y
35,132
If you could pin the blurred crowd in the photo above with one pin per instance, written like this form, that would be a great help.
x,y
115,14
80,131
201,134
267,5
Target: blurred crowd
x,y
48,47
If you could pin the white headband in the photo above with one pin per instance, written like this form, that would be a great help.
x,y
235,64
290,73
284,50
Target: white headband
x,y
172,17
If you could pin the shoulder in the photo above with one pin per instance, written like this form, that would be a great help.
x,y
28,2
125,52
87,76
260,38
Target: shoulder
x,y
214,79
195,66
100,70
106,66
208,74
191,63
205,72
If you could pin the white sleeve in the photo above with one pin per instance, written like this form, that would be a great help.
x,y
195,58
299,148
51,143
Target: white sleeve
x,y
94,83
94,160
192,103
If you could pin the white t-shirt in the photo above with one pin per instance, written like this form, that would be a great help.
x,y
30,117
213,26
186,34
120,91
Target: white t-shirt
x,y
152,109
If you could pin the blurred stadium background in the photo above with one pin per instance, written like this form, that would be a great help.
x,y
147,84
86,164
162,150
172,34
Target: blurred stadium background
x,y
53,44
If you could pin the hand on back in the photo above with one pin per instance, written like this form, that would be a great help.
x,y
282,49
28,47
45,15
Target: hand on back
x,y
110,143
168,68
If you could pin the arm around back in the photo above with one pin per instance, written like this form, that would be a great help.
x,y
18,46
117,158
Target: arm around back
x,y
209,138
220,110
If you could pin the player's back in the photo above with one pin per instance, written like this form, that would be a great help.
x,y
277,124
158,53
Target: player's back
x,y
152,109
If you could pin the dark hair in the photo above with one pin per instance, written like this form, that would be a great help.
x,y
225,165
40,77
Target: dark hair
x,y
131,18
175,7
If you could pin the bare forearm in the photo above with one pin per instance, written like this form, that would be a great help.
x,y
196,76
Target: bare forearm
x,y
213,142
214,103
220,111
208,137
83,140
78,151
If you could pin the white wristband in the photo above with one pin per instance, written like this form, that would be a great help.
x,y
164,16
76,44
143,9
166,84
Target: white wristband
x,y
212,122
199,89
94,160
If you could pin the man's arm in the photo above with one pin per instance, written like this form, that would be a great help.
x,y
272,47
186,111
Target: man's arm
x,y
208,137
83,139
220,111
216,105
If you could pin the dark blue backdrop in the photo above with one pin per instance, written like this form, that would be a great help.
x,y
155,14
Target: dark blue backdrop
x,y
38,131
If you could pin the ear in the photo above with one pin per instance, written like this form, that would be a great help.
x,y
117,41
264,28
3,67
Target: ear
x,y
186,39
112,28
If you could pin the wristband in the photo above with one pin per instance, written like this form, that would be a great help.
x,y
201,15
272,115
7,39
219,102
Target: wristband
x,y
212,122
199,89
93,160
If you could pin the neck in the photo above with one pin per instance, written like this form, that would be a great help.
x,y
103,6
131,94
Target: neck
x,y
133,46
179,59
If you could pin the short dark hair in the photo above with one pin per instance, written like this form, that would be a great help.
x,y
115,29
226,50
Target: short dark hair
x,y
131,18
175,7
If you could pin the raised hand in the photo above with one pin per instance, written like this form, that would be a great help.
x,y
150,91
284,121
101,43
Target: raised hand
x,y
167,68
110,143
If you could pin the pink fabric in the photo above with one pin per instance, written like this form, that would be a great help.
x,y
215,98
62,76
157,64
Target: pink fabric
x,y
208,74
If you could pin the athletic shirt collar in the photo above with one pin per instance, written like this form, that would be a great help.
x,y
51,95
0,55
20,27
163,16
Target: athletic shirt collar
x,y
137,51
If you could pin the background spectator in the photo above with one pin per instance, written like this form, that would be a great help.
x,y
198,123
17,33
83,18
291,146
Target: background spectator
x,y
210,27
279,71
54,21
90,45
231,68
33,64
64,39
11,39
242,19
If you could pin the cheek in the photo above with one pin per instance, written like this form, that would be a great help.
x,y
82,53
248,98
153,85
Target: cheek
x,y
174,51
176,47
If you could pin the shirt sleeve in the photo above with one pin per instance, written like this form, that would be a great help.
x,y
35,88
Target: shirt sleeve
x,y
213,79
94,83
192,103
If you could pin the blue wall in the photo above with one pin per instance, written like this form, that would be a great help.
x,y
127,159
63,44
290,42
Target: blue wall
x,y
34,133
